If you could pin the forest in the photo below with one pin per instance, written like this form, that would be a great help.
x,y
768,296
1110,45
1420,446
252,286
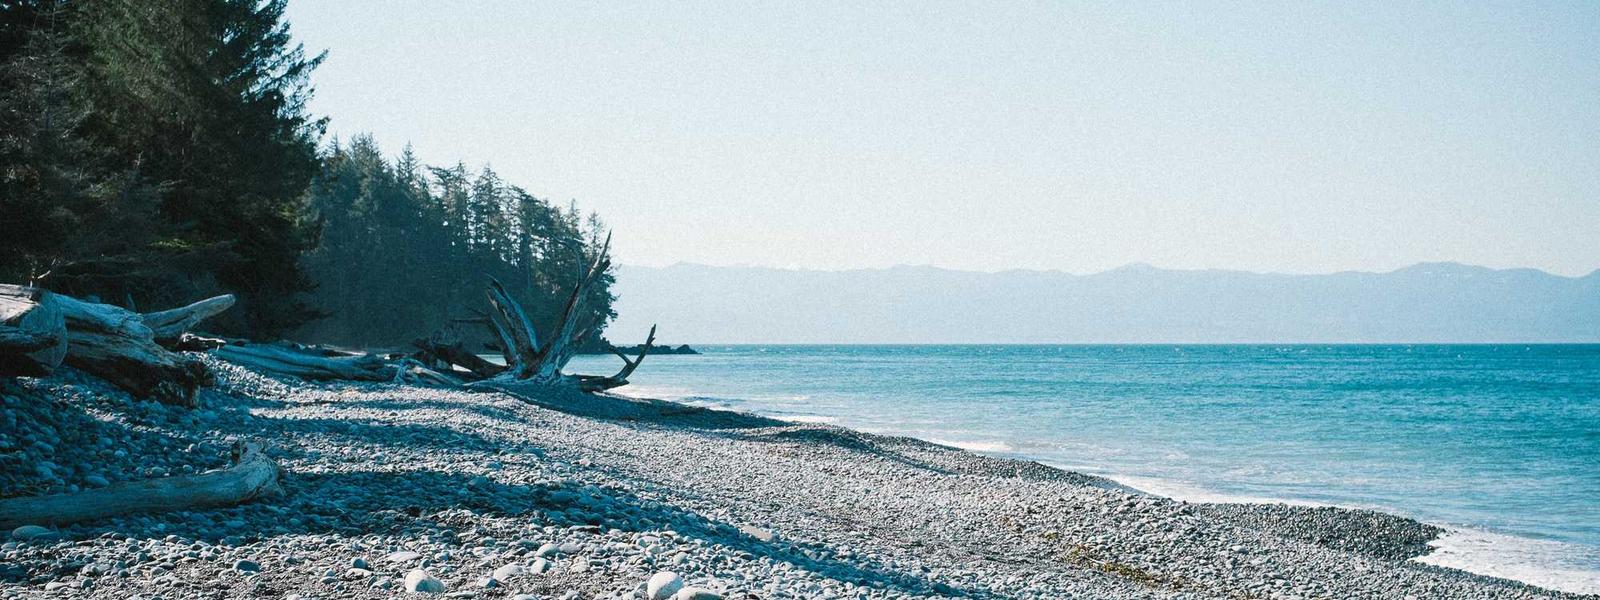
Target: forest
x,y
157,151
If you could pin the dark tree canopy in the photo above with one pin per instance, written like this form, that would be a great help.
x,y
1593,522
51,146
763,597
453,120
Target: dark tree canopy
x,y
401,250
156,151
165,148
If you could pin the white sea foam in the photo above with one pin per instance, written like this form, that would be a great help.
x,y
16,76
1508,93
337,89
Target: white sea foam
x,y
807,418
1188,492
1545,563
993,446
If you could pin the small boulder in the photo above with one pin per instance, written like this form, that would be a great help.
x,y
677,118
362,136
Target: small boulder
x,y
30,532
403,556
246,566
508,571
419,581
662,585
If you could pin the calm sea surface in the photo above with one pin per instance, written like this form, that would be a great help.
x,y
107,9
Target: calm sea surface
x,y
1501,441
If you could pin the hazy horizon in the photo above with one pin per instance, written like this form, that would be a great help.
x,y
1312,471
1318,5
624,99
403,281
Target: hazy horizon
x,y
1131,265
1423,304
1255,137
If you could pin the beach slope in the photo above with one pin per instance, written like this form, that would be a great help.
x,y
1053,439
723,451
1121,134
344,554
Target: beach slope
x,y
490,495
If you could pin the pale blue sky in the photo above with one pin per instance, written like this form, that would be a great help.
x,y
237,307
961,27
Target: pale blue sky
x,y
1278,136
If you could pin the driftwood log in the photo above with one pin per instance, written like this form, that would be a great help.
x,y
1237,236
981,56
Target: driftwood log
x,y
448,350
252,475
33,334
171,327
277,359
280,360
118,345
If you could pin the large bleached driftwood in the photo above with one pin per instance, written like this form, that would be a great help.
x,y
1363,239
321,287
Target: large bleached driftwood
x,y
116,344
252,475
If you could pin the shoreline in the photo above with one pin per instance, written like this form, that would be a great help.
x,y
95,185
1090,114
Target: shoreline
x,y
1554,564
497,497
1475,550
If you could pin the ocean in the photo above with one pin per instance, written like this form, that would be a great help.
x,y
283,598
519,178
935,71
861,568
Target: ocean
x,y
1499,443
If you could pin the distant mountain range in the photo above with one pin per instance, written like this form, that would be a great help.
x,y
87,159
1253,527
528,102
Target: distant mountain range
x,y
1432,302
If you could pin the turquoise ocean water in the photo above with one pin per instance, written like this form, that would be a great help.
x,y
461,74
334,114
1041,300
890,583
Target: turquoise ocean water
x,y
1499,442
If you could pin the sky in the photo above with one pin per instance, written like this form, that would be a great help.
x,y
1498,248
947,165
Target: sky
x,y
1284,137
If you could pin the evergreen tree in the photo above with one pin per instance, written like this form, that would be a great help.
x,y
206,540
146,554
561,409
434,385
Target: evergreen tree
x,y
402,252
156,151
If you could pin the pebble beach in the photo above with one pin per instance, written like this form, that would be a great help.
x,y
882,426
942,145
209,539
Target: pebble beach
x,y
395,491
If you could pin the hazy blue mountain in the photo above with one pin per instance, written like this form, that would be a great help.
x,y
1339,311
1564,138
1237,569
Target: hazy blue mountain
x,y
1434,302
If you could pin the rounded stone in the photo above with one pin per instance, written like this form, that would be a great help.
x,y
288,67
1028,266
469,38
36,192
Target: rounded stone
x,y
662,585
29,532
419,581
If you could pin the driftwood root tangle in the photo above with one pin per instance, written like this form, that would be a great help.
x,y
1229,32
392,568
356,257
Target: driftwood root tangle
x,y
252,475
530,362
592,383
